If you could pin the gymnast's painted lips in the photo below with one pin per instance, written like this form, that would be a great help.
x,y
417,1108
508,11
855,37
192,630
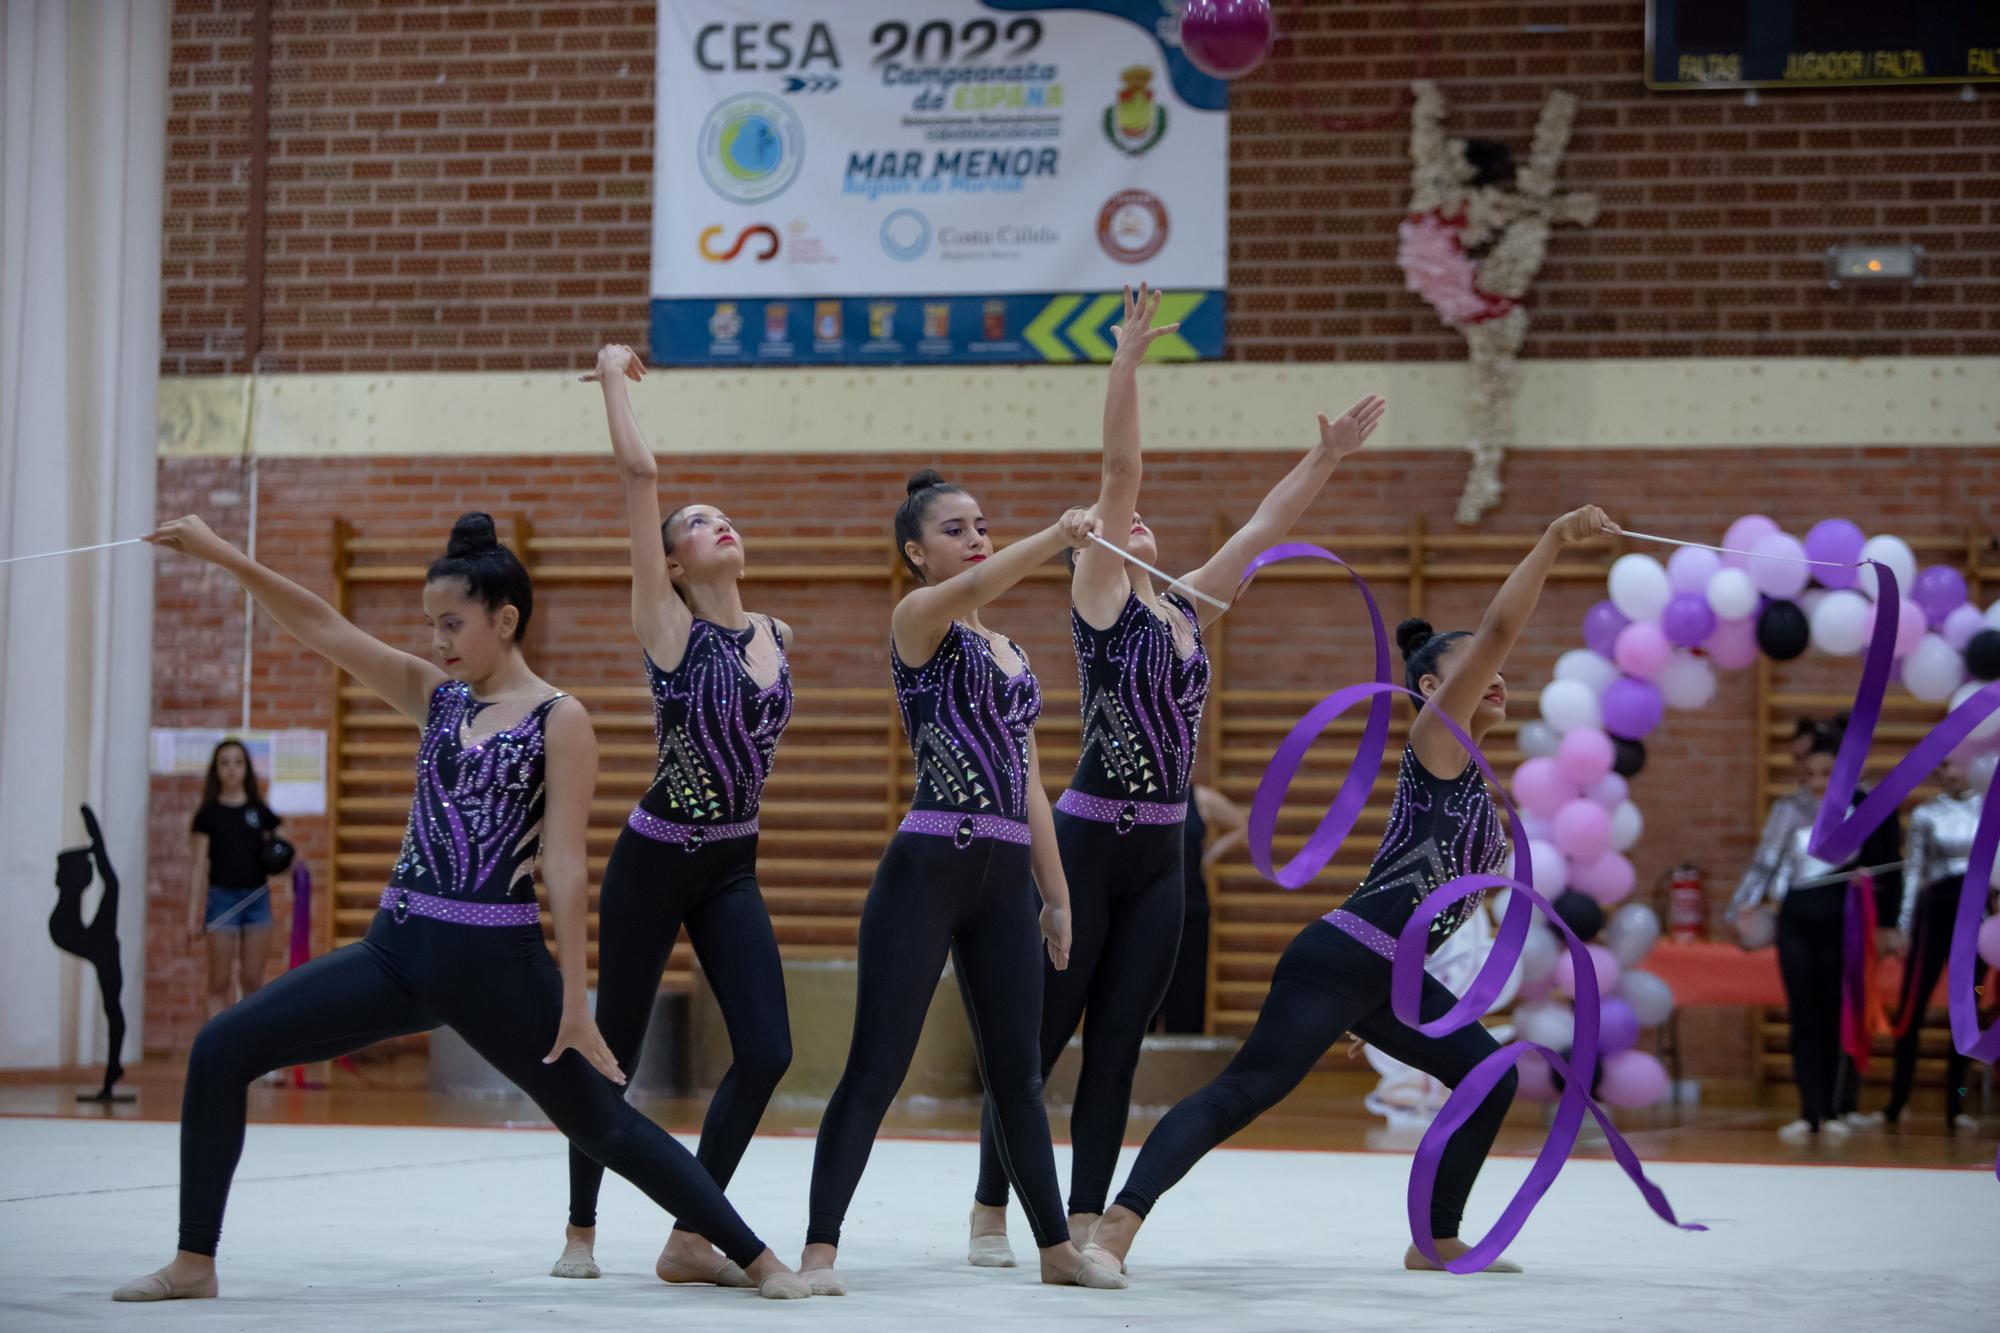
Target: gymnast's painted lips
x,y
975,560
725,540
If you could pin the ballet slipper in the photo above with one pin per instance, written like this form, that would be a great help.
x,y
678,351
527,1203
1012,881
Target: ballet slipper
x,y
1096,1257
989,1248
786,1286
1417,1262
159,1287
822,1282
718,1271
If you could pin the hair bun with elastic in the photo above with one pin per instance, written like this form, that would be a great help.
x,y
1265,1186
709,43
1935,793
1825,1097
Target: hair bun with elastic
x,y
472,534
1413,634
923,481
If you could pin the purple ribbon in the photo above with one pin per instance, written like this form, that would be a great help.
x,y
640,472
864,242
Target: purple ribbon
x,y
1838,831
1407,970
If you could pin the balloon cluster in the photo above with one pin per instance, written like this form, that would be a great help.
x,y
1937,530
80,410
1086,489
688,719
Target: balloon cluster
x,y
1633,999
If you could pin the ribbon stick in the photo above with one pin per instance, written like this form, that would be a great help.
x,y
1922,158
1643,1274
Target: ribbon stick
x,y
1172,582
1406,977
74,550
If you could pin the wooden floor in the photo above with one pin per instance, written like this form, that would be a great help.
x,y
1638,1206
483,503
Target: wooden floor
x,y
1324,1114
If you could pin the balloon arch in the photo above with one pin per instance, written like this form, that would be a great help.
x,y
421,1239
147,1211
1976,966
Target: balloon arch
x,y
1655,644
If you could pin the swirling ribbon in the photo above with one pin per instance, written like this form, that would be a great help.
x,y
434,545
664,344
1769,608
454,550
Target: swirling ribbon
x,y
1406,978
1838,831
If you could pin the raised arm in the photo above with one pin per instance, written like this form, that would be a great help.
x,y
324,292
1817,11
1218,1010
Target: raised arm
x,y
404,680
564,874
920,620
1100,584
1475,661
1286,502
659,617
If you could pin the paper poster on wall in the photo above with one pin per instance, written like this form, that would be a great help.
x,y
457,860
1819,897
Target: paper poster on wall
x,y
931,181
290,764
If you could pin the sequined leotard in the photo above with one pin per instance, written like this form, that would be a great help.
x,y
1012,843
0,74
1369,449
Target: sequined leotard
x,y
716,729
968,723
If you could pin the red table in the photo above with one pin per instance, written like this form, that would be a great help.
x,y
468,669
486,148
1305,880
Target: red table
x,y
1713,972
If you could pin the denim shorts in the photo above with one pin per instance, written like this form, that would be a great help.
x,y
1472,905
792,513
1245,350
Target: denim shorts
x,y
221,901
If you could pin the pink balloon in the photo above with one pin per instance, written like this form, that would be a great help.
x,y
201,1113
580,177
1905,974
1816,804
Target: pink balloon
x,y
1631,1080
1989,941
1642,649
1610,791
1538,989
1744,534
1584,756
1910,623
1582,830
1776,569
1226,38
1961,625
1538,1081
1733,646
1601,959
1607,878
1540,788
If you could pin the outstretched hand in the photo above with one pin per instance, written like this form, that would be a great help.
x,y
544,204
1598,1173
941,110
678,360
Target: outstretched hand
x,y
1351,429
613,360
1135,333
1580,525
191,536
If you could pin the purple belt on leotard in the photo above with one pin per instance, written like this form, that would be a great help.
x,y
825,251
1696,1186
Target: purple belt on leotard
x,y
406,903
963,829
1121,815
1365,933
688,837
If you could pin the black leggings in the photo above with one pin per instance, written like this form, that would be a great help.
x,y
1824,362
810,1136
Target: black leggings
x,y
1125,903
1936,910
1326,984
650,888
928,898
1811,957
498,988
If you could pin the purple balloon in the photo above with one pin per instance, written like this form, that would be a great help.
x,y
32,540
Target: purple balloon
x,y
1691,567
1618,1026
1733,644
1838,540
1940,590
1744,534
1961,625
1226,38
1601,625
1688,620
1632,708
1631,1080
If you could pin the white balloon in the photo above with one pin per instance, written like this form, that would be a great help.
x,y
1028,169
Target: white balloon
x,y
1981,772
1840,624
1539,953
1640,587
1986,730
1551,868
1897,555
1686,681
1934,670
1993,615
1651,998
1631,933
1609,791
1569,704
1538,739
1626,826
1732,595
1590,668
1546,1023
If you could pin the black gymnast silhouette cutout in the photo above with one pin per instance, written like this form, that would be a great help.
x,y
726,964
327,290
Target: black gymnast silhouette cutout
x,y
96,944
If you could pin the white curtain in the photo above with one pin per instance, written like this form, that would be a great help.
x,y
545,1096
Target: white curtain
x,y
82,166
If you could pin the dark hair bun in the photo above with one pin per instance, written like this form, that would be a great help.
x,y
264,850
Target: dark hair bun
x,y
923,481
472,534
1413,634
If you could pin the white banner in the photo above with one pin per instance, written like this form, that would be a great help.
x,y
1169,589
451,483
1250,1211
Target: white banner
x,y
930,180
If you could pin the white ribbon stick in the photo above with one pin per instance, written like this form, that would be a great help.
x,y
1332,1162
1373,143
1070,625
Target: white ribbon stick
x,y
74,550
1172,582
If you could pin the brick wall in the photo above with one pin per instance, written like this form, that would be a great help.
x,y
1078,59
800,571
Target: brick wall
x,y
1696,792
469,186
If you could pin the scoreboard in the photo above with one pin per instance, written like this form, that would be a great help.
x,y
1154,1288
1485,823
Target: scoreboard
x,y
1817,43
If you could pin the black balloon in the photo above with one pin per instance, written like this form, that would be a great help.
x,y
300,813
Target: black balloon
x,y
1627,757
1982,655
1580,912
1782,631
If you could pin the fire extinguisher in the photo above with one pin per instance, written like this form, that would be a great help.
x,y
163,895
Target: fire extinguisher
x,y
1687,904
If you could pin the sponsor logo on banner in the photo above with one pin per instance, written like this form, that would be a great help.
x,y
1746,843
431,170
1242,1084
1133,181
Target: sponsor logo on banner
x,y
1132,226
1134,122
726,324
906,234
937,321
995,329
761,232
777,322
751,147
881,320
826,321
748,48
